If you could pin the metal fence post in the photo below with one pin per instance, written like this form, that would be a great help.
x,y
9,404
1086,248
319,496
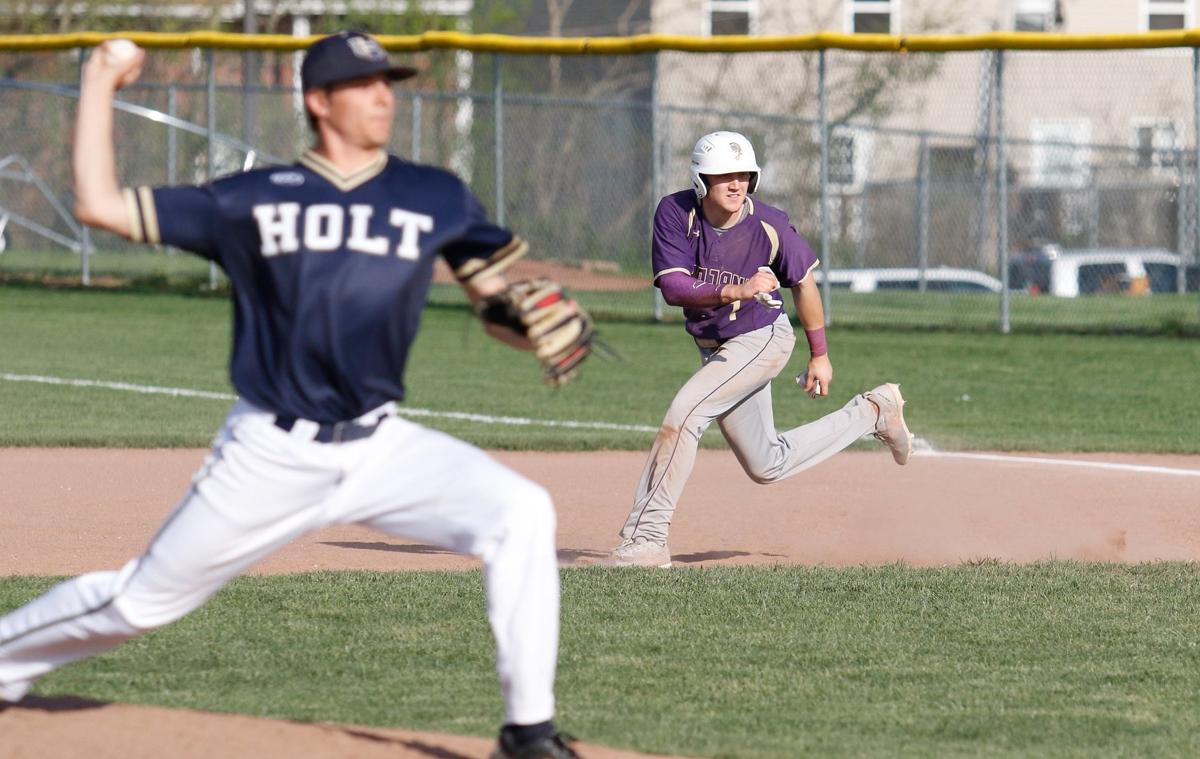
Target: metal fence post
x,y
301,27
864,227
1093,201
172,135
923,213
250,76
85,273
823,102
415,154
1182,230
1002,191
1195,257
211,107
498,117
985,108
656,179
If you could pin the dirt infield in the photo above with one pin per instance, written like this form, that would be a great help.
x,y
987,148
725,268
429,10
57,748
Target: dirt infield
x,y
70,511
81,510
69,728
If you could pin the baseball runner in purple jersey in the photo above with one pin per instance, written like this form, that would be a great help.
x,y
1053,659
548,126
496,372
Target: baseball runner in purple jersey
x,y
330,260
723,256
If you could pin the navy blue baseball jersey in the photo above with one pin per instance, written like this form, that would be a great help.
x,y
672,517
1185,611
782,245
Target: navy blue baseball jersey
x,y
329,272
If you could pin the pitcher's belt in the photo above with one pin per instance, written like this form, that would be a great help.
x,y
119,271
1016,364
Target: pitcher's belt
x,y
341,432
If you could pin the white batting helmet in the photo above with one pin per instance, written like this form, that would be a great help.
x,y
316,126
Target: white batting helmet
x,y
723,153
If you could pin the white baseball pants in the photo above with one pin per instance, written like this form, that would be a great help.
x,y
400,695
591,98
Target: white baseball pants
x,y
733,388
261,487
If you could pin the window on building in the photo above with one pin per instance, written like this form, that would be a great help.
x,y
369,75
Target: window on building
x,y
849,157
732,16
872,16
841,158
1060,152
1167,14
1155,145
1038,15
952,162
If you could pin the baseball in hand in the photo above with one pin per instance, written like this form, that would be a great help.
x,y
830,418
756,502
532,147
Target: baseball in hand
x,y
767,300
802,377
119,51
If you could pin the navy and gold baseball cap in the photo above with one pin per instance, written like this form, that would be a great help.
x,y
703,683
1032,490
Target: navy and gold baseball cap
x,y
345,56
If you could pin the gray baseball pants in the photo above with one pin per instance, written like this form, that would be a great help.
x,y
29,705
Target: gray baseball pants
x,y
733,387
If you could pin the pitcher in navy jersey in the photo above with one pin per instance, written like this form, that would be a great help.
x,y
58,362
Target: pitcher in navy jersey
x,y
723,256
330,260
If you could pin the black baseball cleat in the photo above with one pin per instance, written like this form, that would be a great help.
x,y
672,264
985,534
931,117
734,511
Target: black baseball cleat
x,y
551,746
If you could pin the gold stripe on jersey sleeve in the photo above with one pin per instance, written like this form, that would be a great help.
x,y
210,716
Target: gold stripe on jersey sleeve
x,y
478,268
773,236
810,271
691,220
135,216
149,215
344,182
674,268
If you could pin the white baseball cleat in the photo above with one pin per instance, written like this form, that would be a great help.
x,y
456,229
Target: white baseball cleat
x,y
639,552
890,428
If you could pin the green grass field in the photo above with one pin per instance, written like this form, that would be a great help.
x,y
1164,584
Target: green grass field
x,y
1043,392
986,659
154,270
983,660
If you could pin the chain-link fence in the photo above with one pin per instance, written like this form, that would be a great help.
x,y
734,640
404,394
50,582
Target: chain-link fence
x,y
889,163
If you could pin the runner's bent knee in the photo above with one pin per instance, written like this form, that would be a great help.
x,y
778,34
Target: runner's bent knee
x,y
688,417
761,477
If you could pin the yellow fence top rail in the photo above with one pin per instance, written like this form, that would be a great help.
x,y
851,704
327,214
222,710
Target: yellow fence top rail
x,y
642,43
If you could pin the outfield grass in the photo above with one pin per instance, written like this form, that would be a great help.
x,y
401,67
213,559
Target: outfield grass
x,y
141,266
151,269
1044,392
1055,659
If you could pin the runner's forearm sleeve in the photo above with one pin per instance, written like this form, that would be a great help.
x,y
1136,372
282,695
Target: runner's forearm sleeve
x,y
679,289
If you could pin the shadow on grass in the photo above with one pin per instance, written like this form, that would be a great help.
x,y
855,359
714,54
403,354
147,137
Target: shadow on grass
x,y
416,548
57,704
569,556
695,558
414,745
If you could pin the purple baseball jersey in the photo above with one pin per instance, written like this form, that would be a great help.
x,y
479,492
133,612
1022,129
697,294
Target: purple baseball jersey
x,y
685,242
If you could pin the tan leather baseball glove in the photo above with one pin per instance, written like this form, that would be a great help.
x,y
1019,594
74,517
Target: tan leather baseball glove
x,y
559,329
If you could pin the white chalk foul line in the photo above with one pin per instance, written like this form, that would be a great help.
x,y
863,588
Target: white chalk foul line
x,y
403,410
1109,465
147,389
923,448
523,421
